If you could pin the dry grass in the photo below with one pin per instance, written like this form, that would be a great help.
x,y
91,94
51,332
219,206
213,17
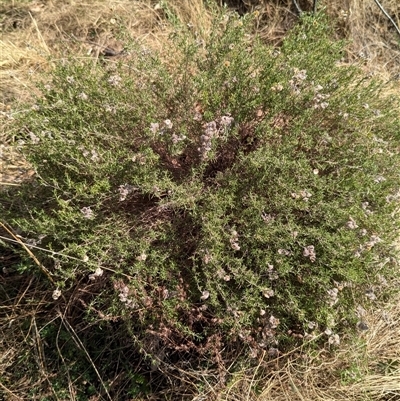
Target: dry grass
x,y
36,32
361,369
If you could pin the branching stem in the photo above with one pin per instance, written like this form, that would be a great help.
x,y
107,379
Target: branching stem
x,y
388,16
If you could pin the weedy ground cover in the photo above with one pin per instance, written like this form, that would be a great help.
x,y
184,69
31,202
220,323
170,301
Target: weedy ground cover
x,y
204,209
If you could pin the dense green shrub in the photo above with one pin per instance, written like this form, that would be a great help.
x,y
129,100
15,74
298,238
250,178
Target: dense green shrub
x,y
226,192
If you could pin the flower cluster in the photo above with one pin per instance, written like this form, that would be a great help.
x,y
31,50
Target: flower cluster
x,y
34,139
94,156
110,109
312,325
142,257
284,252
139,158
160,129
333,339
207,258
272,273
234,240
304,195
34,241
157,128
114,80
87,212
393,197
374,239
319,99
226,121
351,224
177,138
222,274
277,88
370,294
123,294
267,218
309,252
211,131
124,191
364,206
274,322
361,313
333,296
379,179
267,329
268,293
235,312
204,295
83,96
98,273
297,80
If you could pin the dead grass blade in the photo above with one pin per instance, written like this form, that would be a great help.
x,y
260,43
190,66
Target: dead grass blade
x,y
29,252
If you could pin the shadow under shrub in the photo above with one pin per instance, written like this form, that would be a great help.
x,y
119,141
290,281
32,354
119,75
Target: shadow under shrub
x,y
234,193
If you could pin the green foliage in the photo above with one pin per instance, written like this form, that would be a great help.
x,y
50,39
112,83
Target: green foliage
x,y
229,191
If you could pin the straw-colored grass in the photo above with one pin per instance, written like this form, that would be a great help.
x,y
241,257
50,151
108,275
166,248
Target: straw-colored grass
x,y
361,369
35,33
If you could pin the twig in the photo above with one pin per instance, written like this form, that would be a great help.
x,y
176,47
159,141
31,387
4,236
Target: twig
x,y
19,241
53,253
79,343
62,357
295,389
16,239
388,16
299,10
10,392
315,3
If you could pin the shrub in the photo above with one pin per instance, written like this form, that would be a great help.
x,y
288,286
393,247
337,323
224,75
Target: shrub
x,y
227,193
